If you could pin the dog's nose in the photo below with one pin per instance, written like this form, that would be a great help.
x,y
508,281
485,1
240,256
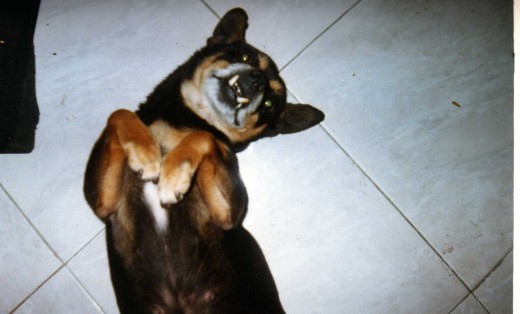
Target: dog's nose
x,y
256,80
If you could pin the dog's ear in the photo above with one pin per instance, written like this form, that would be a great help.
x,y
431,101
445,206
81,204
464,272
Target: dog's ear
x,y
231,28
296,118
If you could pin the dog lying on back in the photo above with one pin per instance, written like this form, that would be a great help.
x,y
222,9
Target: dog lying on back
x,y
166,182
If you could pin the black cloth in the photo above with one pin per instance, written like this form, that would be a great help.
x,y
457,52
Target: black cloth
x,y
19,113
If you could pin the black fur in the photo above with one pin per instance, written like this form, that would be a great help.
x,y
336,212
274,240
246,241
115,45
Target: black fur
x,y
195,268
165,102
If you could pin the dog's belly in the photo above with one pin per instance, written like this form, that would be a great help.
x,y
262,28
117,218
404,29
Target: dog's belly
x,y
153,202
159,259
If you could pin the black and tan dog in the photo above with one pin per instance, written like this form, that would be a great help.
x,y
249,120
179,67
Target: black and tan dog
x,y
165,180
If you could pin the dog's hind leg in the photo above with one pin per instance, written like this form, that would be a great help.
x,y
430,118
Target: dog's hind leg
x,y
124,140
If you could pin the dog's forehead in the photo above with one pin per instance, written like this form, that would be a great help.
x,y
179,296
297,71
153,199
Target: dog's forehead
x,y
267,65
245,53
263,61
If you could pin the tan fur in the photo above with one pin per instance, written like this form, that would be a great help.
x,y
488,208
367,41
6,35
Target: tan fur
x,y
199,151
208,66
127,139
192,92
194,99
246,133
219,207
276,86
263,61
166,136
110,182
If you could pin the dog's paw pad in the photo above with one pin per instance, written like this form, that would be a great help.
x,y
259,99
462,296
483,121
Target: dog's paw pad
x,y
175,182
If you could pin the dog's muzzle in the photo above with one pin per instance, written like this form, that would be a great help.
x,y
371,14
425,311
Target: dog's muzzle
x,y
247,84
244,85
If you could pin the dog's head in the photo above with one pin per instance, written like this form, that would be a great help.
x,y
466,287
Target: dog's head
x,y
238,90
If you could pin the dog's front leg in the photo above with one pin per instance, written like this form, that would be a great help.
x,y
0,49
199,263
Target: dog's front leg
x,y
214,165
124,140
222,189
181,163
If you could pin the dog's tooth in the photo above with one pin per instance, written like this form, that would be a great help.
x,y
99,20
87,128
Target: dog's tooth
x,y
242,100
232,81
238,91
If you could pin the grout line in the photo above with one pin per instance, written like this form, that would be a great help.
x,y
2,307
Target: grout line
x,y
211,9
63,263
485,277
85,245
311,42
470,291
492,270
47,280
96,304
460,302
319,35
36,289
465,298
408,221
31,224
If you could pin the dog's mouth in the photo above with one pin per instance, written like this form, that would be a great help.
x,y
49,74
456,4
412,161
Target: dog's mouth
x,y
236,93
241,101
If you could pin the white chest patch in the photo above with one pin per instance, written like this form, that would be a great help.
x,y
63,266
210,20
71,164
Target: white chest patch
x,y
151,197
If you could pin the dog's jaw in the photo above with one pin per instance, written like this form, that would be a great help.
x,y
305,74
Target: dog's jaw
x,y
222,91
229,116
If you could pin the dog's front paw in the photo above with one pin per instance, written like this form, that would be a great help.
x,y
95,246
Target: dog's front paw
x,y
144,158
175,181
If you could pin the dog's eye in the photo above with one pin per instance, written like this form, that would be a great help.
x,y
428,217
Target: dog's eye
x,y
245,57
268,103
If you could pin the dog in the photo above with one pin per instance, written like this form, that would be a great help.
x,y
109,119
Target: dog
x,y
166,182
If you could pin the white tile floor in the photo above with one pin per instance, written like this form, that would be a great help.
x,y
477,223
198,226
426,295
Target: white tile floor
x,y
400,202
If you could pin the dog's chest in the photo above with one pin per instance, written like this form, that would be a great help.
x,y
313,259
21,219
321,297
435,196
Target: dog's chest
x,y
166,136
153,202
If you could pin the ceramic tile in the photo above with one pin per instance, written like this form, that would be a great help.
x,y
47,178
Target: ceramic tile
x,y
420,94
26,261
284,28
469,306
84,72
496,292
132,46
90,267
61,294
333,242
389,76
